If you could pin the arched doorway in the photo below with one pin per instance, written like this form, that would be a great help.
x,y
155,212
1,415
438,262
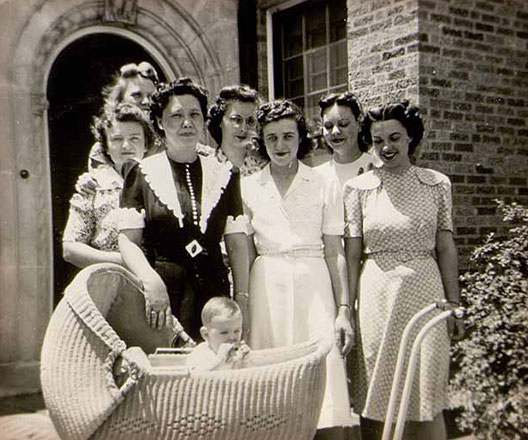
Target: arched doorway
x,y
74,87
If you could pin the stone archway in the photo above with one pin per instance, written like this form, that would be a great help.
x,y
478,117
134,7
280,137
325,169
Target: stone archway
x,y
173,32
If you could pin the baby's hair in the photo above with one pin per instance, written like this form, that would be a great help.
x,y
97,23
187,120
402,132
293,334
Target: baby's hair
x,y
219,306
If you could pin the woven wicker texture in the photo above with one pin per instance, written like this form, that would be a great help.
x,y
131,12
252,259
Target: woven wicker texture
x,y
102,313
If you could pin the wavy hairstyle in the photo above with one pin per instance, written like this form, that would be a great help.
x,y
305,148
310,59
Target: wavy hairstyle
x,y
217,110
275,111
114,92
124,112
405,112
181,86
346,99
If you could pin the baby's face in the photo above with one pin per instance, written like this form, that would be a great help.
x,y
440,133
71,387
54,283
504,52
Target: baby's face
x,y
224,329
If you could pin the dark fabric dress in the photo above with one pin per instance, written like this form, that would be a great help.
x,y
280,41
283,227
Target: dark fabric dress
x,y
184,248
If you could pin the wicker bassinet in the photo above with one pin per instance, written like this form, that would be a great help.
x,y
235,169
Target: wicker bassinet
x,y
102,313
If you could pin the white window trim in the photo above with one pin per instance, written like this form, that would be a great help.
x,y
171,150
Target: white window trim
x,y
269,42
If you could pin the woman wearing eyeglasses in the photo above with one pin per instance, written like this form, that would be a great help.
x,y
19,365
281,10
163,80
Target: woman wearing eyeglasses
x,y
233,124
180,205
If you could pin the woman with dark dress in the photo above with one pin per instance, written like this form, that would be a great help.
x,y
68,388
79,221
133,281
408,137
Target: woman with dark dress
x,y
179,206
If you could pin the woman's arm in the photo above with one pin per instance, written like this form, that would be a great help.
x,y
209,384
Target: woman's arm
x,y
335,260
448,265
252,250
353,252
237,250
82,255
157,306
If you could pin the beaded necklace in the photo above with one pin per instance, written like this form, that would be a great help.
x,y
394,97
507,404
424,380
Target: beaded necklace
x,y
192,194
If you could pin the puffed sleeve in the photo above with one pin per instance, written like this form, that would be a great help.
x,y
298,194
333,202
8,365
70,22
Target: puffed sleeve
x,y
353,212
445,206
236,221
81,220
132,203
333,213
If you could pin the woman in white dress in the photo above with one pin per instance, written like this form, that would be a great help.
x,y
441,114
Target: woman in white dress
x,y
340,114
298,284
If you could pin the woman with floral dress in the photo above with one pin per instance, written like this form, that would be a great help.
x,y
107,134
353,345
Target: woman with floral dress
x,y
401,257
298,289
90,236
180,205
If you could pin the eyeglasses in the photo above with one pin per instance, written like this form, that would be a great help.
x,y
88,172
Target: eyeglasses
x,y
143,69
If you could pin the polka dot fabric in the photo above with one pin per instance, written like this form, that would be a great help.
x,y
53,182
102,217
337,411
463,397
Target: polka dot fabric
x,y
398,217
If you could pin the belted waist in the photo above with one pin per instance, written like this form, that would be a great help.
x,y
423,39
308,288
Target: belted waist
x,y
295,253
400,255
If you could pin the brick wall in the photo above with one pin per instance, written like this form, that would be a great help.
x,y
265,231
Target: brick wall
x,y
465,63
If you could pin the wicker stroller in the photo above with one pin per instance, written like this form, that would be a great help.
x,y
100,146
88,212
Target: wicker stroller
x,y
102,313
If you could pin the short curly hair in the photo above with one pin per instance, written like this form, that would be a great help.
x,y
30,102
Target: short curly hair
x,y
124,112
282,109
217,110
405,112
181,86
346,99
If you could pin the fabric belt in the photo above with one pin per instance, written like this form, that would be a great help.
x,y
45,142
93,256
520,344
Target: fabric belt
x,y
295,253
402,256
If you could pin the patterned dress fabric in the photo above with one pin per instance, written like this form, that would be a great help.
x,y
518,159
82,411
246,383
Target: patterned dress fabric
x,y
184,209
346,171
398,217
93,219
290,295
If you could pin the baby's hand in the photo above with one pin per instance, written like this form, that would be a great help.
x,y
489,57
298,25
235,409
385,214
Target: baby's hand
x,y
241,351
225,351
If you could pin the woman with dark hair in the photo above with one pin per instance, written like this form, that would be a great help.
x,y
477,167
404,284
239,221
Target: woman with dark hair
x,y
182,205
298,287
341,117
401,257
233,124
90,236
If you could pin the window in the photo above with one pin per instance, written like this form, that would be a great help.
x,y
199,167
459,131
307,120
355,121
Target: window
x,y
310,52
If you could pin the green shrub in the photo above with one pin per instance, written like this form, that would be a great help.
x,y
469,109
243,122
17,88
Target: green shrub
x,y
492,359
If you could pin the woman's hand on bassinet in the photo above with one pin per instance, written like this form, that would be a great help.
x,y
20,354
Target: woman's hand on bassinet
x,y
157,305
344,333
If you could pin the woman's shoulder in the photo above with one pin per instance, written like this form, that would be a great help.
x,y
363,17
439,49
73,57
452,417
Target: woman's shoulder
x,y
366,181
431,177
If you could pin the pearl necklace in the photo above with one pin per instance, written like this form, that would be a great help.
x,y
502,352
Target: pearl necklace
x,y
194,206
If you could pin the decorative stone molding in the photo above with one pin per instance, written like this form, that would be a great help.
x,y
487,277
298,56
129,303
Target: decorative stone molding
x,y
121,11
39,104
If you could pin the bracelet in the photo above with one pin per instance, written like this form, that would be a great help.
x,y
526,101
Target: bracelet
x,y
244,294
348,306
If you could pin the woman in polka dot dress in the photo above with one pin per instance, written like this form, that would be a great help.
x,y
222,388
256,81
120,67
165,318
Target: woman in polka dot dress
x,y
401,257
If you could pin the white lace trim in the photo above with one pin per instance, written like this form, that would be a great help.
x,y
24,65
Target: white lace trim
x,y
236,225
158,175
215,177
130,218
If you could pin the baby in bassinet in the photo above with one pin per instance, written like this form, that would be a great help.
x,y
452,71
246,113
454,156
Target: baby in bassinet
x,y
221,329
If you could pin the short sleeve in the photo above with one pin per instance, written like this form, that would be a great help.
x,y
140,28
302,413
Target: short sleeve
x,y
445,206
333,213
353,213
236,221
81,220
132,203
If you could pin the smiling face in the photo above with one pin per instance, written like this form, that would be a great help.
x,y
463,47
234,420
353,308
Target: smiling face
x,y
125,140
223,329
281,139
340,129
391,144
239,124
183,123
138,91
